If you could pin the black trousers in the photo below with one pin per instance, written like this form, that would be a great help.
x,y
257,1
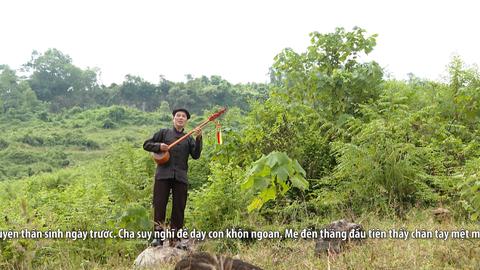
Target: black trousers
x,y
161,193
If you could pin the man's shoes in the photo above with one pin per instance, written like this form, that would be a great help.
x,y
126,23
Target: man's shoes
x,y
180,244
156,242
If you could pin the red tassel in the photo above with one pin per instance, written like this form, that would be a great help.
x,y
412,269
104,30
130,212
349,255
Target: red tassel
x,y
219,133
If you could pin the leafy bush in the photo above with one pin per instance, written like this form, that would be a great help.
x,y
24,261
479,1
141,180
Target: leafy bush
x,y
20,156
470,189
220,202
108,124
74,138
117,113
128,175
64,138
382,168
3,144
32,140
271,175
198,172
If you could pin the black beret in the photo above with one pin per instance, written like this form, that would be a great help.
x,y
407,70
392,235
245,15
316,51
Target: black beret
x,y
181,110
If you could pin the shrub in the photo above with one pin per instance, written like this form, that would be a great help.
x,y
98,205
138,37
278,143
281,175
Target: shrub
x,y
108,124
32,140
382,169
220,202
470,189
3,144
117,113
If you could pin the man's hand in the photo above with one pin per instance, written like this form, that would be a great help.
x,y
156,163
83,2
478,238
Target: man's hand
x,y
163,147
198,133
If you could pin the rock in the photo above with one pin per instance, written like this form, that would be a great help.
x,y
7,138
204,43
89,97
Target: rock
x,y
206,261
154,256
331,244
441,214
168,253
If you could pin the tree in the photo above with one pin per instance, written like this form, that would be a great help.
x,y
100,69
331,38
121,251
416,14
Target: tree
x,y
15,95
136,92
464,89
57,80
328,76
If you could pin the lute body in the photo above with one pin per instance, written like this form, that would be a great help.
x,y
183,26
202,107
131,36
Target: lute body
x,y
161,158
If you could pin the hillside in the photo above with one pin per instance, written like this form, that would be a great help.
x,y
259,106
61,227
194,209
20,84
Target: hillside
x,y
330,137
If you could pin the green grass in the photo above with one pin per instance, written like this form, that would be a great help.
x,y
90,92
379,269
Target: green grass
x,y
48,199
370,254
82,128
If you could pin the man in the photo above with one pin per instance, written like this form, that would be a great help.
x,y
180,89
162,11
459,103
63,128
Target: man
x,y
173,174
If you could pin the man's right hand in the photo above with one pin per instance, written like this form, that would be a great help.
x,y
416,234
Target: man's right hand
x,y
163,147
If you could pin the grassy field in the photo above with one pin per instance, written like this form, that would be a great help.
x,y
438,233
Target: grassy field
x,y
34,146
375,253
106,195
299,254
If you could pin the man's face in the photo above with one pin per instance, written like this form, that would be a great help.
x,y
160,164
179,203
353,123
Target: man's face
x,y
180,119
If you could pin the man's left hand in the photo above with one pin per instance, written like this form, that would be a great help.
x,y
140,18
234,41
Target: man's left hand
x,y
198,132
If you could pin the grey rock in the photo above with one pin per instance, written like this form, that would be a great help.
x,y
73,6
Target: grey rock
x,y
170,252
155,256
336,235
441,215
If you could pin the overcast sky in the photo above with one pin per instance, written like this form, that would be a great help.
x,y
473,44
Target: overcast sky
x,y
234,39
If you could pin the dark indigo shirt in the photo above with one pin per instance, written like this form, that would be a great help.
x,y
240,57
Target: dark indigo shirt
x,y
177,166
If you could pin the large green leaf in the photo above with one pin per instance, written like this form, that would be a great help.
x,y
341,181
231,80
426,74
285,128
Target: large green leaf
x,y
256,182
270,171
255,204
299,182
261,182
247,184
298,168
263,197
281,173
284,187
257,166
268,194
277,158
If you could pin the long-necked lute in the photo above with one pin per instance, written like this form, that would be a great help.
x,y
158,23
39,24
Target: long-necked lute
x,y
164,156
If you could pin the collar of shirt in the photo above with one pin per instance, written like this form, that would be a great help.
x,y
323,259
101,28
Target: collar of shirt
x,y
176,131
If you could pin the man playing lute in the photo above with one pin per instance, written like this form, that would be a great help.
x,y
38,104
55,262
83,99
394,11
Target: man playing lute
x,y
172,174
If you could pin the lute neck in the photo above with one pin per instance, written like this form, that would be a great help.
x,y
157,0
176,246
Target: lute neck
x,y
187,135
211,118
